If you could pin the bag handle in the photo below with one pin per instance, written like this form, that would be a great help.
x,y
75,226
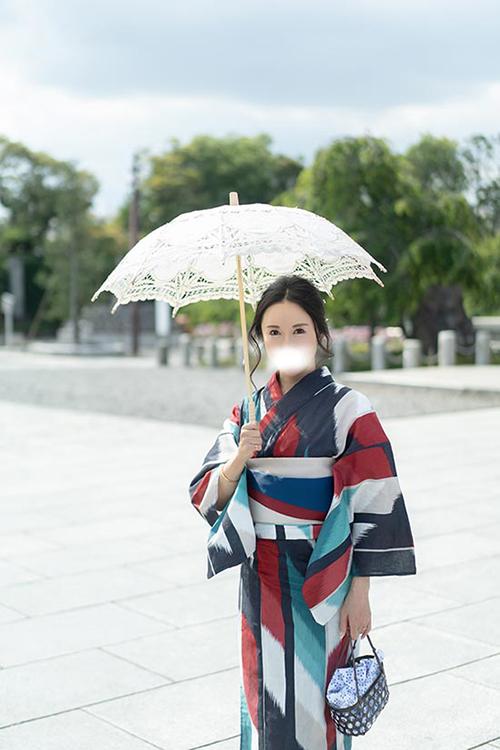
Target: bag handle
x,y
353,641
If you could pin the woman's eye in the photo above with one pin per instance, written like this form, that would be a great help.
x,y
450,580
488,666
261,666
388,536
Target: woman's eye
x,y
296,330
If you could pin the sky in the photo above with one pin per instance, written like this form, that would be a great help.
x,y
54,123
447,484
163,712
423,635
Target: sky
x,y
93,82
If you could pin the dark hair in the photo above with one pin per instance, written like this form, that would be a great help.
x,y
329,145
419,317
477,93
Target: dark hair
x,y
304,293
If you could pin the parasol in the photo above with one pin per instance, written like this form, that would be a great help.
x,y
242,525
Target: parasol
x,y
235,251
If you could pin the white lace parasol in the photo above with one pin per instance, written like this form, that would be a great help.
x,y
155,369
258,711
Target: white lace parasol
x,y
194,256
235,252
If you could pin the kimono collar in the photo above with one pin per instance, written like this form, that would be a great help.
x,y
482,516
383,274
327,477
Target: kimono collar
x,y
308,385
281,406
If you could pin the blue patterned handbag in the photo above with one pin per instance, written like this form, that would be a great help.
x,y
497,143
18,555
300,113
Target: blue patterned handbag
x,y
357,694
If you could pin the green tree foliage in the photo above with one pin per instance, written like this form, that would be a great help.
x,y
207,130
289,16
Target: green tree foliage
x,y
202,173
47,222
430,214
408,210
355,182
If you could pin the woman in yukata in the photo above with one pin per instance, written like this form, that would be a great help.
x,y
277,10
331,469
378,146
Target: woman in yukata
x,y
306,500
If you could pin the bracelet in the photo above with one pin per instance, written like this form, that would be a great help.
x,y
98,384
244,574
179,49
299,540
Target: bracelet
x,y
235,481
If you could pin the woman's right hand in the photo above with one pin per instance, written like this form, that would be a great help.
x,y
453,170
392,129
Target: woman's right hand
x,y
250,440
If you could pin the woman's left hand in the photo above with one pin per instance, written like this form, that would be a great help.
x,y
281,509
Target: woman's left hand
x,y
355,613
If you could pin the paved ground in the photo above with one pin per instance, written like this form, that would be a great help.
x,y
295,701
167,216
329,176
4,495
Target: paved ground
x,y
201,395
110,634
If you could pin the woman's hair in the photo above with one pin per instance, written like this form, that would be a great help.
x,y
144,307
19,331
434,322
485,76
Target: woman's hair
x,y
302,292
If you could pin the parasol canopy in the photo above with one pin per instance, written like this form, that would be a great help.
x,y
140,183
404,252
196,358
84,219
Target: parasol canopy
x,y
193,257
235,251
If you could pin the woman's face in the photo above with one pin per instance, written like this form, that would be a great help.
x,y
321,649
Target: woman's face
x,y
289,337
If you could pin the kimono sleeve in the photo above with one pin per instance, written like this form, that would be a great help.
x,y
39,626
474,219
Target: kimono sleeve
x,y
380,528
203,488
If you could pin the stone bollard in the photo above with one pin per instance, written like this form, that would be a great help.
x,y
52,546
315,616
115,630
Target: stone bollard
x,y
214,351
7,304
163,351
187,348
200,347
412,352
232,347
340,359
446,348
238,353
482,348
378,352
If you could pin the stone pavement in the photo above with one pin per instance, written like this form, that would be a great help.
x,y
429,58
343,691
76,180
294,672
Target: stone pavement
x,y
112,637
467,378
139,387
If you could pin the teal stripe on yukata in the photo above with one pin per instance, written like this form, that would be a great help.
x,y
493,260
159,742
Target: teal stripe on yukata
x,y
309,635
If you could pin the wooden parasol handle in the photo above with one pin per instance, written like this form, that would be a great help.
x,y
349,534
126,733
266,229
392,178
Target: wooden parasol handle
x,y
233,201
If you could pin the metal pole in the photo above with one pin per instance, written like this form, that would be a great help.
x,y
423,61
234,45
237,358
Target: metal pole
x,y
133,239
73,290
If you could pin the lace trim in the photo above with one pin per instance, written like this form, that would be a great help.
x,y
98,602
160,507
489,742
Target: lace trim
x,y
192,258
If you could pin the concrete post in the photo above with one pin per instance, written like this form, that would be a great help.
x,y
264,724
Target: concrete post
x,y
340,354
378,352
412,353
187,348
214,352
8,301
446,348
239,353
482,348
163,351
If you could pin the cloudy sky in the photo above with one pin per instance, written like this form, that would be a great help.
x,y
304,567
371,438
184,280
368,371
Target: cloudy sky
x,y
94,81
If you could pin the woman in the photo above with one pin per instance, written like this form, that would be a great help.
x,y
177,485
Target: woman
x,y
307,501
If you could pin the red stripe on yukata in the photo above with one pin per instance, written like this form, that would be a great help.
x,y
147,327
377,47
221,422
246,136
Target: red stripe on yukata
x,y
250,670
336,658
267,554
366,463
268,417
235,415
367,430
199,493
288,439
286,508
320,585
317,530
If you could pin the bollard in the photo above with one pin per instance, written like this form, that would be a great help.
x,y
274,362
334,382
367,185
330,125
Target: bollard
x,y
163,352
214,352
7,304
186,345
378,352
482,348
412,352
446,348
239,354
200,352
340,354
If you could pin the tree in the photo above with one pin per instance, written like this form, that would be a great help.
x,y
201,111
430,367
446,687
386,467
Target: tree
x,y
201,174
355,182
48,228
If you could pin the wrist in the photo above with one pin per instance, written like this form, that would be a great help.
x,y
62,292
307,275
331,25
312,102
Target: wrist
x,y
361,582
229,479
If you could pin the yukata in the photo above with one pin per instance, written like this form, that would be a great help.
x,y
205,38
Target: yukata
x,y
319,504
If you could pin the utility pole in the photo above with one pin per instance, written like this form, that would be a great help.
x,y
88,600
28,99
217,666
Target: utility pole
x,y
133,228
74,307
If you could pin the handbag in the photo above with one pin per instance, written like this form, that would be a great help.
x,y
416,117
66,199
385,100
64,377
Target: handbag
x,y
364,681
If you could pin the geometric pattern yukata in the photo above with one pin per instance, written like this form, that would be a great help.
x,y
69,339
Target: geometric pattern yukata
x,y
319,504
